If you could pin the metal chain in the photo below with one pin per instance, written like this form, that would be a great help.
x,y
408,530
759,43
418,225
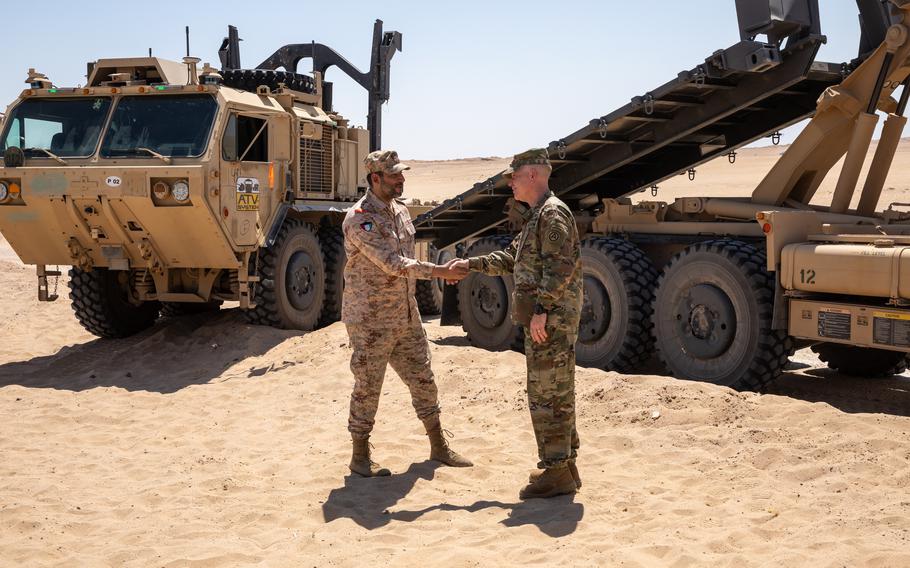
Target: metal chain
x,y
56,279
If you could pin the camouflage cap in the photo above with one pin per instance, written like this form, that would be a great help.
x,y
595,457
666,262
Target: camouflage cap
x,y
535,156
384,161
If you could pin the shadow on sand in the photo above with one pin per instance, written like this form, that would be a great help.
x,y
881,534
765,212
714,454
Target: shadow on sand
x,y
367,503
853,395
171,355
887,395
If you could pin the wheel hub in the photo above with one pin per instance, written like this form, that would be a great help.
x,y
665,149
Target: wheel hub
x,y
706,321
595,311
488,300
299,280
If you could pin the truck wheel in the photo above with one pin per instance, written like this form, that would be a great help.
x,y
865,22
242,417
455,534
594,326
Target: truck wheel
x,y
291,289
429,292
861,361
100,301
332,240
712,316
615,328
484,303
177,309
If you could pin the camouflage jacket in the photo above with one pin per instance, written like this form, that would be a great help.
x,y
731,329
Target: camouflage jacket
x,y
545,260
380,276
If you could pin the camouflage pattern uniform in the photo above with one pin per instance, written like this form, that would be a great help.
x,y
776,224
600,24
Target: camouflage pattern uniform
x,y
545,261
378,305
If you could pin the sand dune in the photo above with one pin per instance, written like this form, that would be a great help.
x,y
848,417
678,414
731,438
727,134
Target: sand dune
x,y
208,442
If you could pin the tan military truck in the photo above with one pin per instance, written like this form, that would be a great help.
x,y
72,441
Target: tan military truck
x,y
170,188
724,288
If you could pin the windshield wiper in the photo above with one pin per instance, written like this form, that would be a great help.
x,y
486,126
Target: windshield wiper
x,y
161,157
48,152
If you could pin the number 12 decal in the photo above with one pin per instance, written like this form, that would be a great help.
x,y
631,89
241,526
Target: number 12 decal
x,y
807,276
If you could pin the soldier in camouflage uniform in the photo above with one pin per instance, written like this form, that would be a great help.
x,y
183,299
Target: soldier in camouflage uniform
x,y
545,261
380,311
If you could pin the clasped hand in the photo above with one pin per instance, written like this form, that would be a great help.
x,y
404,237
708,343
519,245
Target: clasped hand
x,y
452,271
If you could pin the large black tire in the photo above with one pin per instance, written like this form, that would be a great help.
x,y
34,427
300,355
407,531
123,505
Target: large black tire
x,y
178,309
291,289
251,79
615,329
712,316
861,361
100,301
485,303
332,241
429,292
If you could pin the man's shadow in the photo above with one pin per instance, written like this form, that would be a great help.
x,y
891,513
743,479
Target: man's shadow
x,y
555,517
367,503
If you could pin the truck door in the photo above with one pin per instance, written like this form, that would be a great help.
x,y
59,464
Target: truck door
x,y
245,175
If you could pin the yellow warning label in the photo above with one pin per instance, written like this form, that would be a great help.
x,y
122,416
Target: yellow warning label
x,y
834,310
892,315
247,202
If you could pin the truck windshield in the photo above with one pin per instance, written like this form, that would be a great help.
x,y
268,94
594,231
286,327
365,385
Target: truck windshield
x,y
65,127
174,126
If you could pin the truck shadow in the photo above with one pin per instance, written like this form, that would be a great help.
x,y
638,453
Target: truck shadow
x,y
853,395
174,354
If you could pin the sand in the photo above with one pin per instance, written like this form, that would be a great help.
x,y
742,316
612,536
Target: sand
x,y
205,441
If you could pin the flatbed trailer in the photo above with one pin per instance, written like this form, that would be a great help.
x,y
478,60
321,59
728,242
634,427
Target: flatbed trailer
x,y
735,329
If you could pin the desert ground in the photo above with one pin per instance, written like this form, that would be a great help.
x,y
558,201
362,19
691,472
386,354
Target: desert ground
x,y
208,442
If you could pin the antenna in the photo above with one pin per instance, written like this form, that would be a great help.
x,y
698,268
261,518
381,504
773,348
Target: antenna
x,y
150,52
187,41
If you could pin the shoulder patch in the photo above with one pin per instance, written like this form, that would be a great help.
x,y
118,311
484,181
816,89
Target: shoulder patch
x,y
554,236
368,226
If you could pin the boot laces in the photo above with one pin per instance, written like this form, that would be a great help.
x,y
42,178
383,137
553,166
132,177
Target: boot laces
x,y
372,447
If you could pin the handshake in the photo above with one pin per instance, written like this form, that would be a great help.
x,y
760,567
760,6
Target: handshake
x,y
452,271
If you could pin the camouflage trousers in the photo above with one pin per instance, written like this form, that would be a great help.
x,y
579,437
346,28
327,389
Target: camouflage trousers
x,y
551,396
407,351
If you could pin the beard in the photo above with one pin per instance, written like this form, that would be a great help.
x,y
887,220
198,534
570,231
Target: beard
x,y
393,190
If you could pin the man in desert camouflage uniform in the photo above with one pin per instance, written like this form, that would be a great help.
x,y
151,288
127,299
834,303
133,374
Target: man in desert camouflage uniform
x,y
545,261
380,311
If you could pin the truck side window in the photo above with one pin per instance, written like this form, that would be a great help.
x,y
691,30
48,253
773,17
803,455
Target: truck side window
x,y
246,138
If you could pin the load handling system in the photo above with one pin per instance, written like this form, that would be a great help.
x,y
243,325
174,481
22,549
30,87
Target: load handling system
x,y
724,288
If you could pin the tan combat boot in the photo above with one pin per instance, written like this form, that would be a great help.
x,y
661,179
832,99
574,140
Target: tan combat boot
x,y
573,469
439,448
361,463
552,482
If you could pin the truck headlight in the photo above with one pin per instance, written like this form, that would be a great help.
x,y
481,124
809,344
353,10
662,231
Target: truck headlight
x,y
161,189
181,190
4,191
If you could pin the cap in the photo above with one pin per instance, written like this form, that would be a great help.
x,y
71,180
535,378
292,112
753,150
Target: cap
x,y
384,161
535,156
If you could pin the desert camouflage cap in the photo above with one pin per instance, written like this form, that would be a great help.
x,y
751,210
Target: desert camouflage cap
x,y
535,156
384,161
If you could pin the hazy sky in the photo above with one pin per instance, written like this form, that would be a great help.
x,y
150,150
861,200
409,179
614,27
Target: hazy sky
x,y
474,79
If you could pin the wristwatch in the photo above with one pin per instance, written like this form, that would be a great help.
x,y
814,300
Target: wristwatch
x,y
538,309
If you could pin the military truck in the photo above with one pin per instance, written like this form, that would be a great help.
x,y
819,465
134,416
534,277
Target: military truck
x,y
171,189
724,288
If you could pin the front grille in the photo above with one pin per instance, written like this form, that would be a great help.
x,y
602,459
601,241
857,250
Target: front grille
x,y
316,163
